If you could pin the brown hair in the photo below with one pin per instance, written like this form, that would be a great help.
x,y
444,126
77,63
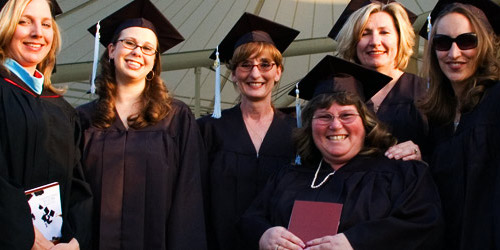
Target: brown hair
x,y
350,34
9,18
377,140
155,100
244,51
441,103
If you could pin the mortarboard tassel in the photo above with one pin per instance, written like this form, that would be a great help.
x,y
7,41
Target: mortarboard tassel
x,y
299,118
96,58
217,108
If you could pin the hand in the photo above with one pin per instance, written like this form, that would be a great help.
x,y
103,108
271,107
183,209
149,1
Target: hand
x,y
404,151
71,245
337,242
40,241
280,238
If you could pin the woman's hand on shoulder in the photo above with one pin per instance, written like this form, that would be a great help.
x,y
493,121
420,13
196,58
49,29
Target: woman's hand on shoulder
x,y
279,238
337,242
404,151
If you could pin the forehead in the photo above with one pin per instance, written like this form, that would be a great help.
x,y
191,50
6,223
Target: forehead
x,y
380,19
453,24
139,34
336,108
38,8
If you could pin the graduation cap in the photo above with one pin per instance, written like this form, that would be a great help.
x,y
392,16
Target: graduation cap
x,y
252,28
355,5
333,74
139,13
486,10
55,8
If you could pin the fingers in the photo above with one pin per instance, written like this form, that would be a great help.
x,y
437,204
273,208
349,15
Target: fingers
x,y
280,238
290,241
405,151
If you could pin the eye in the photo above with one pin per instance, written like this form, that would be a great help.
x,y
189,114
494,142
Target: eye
x,y
24,21
129,43
47,24
148,48
265,65
324,117
246,65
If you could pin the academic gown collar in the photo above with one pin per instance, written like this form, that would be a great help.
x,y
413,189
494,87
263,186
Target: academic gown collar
x,y
272,140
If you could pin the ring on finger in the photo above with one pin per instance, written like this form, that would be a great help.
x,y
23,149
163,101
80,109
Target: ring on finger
x,y
415,151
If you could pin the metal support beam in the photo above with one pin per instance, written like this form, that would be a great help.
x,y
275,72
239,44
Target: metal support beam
x,y
73,72
197,103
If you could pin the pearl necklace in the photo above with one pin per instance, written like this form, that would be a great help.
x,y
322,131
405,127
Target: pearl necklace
x,y
316,176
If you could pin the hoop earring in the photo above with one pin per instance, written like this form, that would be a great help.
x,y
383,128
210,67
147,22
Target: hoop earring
x,y
151,78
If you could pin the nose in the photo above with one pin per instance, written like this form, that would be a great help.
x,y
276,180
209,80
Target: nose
x,y
137,51
335,124
454,51
36,30
255,72
375,39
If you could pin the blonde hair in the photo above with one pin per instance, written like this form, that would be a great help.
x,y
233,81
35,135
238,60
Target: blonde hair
x,y
350,34
441,104
9,18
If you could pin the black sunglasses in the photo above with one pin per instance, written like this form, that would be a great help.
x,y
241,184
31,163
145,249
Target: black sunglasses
x,y
464,41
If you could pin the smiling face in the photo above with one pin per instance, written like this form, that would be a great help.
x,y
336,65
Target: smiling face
x,y
32,39
133,65
457,65
338,142
378,45
256,85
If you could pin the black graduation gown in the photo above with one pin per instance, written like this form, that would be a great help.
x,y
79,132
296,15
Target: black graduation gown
x,y
237,172
39,137
146,182
399,112
387,204
465,166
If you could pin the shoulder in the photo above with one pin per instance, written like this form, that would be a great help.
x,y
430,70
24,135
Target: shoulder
x,y
227,116
85,112
380,163
413,85
286,118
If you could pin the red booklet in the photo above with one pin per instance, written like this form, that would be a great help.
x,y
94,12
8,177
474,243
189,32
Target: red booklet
x,y
314,219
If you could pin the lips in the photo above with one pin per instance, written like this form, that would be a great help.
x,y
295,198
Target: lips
x,y
133,64
337,137
255,84
33,45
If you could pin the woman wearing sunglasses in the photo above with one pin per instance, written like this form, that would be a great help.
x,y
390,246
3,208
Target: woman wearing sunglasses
x,y
463,67
252,139
380,36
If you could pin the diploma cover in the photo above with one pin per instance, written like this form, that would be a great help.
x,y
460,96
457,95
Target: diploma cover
x,y
313,219
46,212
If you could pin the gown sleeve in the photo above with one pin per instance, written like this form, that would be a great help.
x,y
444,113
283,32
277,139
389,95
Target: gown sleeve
x,y
80,201
414,219
255,221
19,233
186,226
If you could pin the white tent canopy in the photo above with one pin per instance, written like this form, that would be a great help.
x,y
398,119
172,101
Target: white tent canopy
x,y
187,68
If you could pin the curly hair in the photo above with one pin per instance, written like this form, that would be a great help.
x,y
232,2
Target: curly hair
x,y
9,18
155,99
377,140
441,104
350,34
